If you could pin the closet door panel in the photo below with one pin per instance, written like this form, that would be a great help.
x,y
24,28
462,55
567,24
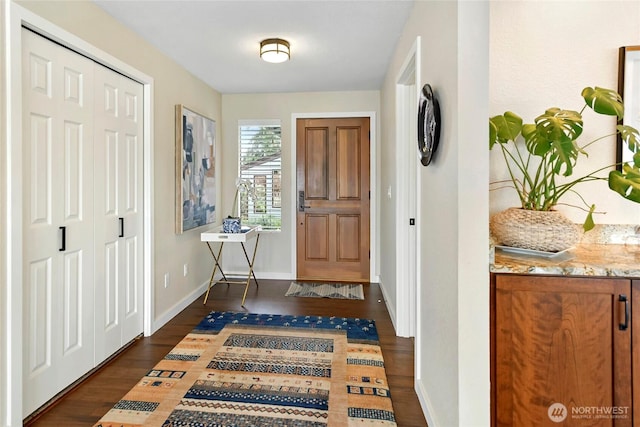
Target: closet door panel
x,y
131,204
110,297
72,323
118,217
107,245
132,284
107,208
73,171
39,323
132,220
58,210
107,145
39,177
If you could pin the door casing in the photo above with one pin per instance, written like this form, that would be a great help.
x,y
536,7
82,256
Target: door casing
x,y
373,224
408,201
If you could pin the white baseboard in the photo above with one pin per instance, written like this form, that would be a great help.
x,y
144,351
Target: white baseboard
x,y
427,408
191,297
390,309
263,275
162,320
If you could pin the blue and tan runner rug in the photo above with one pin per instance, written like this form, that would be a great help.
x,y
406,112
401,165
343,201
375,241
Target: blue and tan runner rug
x,y
239,369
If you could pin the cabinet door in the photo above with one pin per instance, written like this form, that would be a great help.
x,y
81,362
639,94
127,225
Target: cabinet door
x,y
561,351
635,345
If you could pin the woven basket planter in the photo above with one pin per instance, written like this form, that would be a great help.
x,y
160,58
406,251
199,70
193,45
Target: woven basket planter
x,y
548,231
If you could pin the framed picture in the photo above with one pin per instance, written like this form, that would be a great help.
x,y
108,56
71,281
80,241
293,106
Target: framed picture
x,y
629,89
195,170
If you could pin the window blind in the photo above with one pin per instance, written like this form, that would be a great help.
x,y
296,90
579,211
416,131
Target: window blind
x,y
259,186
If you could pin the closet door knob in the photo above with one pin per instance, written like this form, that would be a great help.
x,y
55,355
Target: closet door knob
x,y
121,227
63,239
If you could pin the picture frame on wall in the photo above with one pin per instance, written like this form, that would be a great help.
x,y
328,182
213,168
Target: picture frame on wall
x,y
195,170
628,88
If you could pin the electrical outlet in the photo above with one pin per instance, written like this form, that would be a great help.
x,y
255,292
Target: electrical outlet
x,y
166,280
185,269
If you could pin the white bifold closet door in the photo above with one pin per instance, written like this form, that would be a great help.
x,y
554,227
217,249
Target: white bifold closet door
x,y
82,218
118,210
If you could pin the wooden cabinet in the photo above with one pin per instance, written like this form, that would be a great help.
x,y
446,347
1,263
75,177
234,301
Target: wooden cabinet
x,y
635,348
562,348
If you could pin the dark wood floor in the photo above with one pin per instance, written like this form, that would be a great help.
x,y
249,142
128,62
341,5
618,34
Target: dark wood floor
x,y
86,404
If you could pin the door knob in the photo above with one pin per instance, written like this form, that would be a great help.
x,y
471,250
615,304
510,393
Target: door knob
x,y
301,205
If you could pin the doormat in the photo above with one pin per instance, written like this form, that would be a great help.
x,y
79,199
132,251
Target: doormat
x,y
243,369
326,290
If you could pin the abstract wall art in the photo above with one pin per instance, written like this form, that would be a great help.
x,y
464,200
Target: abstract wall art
x,y
195,170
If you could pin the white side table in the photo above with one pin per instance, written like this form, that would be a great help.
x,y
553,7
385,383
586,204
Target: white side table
x,y
218,236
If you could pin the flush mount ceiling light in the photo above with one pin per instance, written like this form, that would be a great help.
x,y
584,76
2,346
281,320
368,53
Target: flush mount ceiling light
x,y
274,50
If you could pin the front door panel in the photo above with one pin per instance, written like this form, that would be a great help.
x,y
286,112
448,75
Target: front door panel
x,y
333,199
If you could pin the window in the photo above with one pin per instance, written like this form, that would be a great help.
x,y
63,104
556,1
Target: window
x,y
260,173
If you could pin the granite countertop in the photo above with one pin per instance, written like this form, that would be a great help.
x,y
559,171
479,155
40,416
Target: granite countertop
x,y
592,257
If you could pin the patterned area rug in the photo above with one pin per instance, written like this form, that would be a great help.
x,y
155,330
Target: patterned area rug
x,y
325,290
239,369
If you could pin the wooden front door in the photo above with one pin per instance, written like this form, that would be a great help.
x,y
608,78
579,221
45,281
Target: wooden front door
x,y
333,199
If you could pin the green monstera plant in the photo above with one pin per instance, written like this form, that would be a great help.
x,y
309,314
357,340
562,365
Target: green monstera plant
x,y
551,149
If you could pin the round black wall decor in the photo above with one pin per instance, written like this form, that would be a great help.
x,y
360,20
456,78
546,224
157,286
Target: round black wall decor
x,y
428,125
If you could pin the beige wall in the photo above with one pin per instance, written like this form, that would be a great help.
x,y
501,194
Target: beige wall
x,y
452,342
5,330
274,257
533,69
172,85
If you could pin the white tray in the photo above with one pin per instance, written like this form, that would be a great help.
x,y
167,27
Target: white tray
x,y
216,235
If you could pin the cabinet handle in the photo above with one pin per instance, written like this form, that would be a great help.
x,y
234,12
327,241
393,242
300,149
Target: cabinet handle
x,y
121,227
63,239
624,326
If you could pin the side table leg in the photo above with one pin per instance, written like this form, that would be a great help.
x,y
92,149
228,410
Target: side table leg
x,y
253,259
215,269
251,273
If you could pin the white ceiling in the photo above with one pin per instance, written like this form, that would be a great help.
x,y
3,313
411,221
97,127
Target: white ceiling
x,y
335,45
